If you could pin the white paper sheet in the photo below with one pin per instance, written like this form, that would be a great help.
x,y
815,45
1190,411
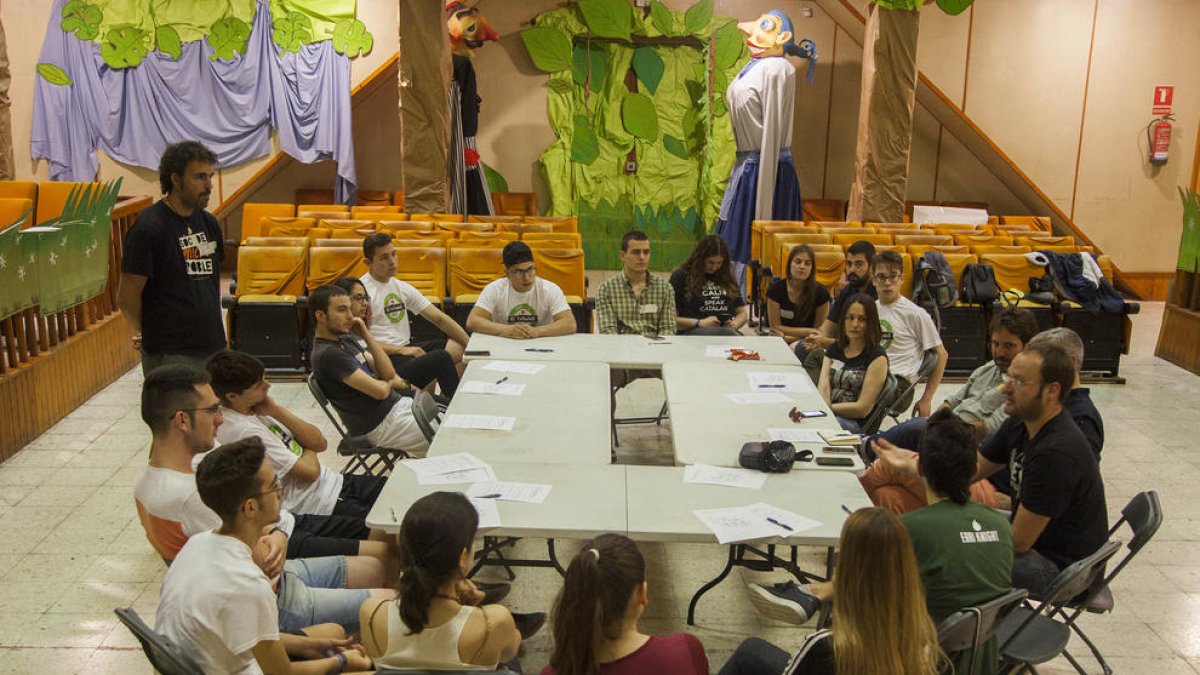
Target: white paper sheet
x,y
482,387
840,437
515,367
443,464
724,476
754,521
465,476
489,513
488,422
532,493
758,398
794,382
722,351
795,435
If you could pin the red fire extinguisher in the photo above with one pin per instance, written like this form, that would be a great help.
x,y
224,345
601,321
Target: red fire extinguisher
x,y
1158,132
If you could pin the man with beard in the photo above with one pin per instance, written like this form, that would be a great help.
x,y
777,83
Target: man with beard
x,y
811,350
170,273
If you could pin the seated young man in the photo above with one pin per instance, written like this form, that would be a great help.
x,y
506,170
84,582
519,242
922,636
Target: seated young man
x,y
964,550
908,330
361,383
811,350
635,302
1059,513
183,414
393,302
521,305
217,604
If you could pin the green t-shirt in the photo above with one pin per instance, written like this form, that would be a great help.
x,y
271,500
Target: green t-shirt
x,y
965,557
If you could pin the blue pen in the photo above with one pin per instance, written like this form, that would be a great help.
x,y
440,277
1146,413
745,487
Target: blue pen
x,y
846,509
780,524
494,495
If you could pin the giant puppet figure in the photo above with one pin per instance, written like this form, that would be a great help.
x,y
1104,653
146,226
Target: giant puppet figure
x,y
468,187
763,184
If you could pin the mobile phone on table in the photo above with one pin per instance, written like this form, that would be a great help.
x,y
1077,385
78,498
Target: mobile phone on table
x,y
835,461
812,413
840,449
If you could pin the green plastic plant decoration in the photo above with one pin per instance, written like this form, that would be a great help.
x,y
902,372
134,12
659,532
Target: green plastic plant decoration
x,y
124,47
83,18
730,45
549,49
227,37
350,37
54,75
589,64
697,17
167,41
649,67
495,180
584,146
291,31
637,113
608,18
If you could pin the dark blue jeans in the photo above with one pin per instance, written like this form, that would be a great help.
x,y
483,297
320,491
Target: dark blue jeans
x,y
756,657
906,434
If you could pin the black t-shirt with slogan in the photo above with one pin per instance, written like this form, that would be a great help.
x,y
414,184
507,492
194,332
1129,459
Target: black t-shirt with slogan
x,y
181,260
789,314
712,300
1055,475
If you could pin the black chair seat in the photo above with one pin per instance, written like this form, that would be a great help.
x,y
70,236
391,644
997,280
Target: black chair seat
x,y
1042,641
1102,602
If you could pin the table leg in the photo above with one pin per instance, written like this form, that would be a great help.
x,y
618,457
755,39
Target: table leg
x,y
733,554
554,557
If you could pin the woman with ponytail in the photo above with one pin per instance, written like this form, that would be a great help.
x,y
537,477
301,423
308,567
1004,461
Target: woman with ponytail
x,y
880,624
595,619
436,621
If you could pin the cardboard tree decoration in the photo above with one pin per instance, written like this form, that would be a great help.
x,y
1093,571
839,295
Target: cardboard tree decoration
x,y
468,30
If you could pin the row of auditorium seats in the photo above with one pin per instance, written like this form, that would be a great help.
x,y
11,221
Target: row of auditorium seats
x,y
45,200
261,219
504,203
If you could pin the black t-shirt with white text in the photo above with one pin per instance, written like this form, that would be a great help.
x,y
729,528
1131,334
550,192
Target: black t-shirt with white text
x,y
712,300
181,260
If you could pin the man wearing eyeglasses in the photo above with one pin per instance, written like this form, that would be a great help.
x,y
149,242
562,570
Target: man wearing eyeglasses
x,y
521,305
908,330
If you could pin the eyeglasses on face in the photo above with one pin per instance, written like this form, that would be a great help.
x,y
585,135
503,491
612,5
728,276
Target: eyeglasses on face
x,y
1018,382
360,297
526,272
276,486
214,409
887,278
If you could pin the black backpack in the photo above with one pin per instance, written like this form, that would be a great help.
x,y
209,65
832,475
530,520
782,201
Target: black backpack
x,y
979,284
934,283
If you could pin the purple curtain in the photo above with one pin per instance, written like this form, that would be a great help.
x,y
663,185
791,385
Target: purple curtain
x,y
132,114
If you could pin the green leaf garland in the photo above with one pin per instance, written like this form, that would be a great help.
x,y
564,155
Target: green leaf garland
x,y
585,148
227,37
649,67
662,18
550,49
729,45
82,17
676,147
954,7
593,56
54,75
350,37
124,47
608,18
166,40
291,31
698,16
639,117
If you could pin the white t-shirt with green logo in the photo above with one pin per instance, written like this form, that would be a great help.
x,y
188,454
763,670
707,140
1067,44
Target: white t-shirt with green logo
x,y
391,303
535,307
908,332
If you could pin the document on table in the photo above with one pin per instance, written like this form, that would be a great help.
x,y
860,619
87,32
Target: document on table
x,y
754,521
481,387
724,476
794,382
722,351
795,435
841,438
489,512
757,398
445,464
532,493
475,475
515,367
488,422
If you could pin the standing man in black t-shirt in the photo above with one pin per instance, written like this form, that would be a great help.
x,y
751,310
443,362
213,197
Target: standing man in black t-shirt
x,y
171,271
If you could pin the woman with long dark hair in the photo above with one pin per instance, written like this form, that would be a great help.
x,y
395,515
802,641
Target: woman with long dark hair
x,y
707,298
796,304
595,619
436,621
856,366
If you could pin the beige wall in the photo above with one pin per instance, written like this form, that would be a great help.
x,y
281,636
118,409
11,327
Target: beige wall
x,y
1023,83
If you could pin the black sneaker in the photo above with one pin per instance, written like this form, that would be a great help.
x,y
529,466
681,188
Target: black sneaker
x,y
493,593
785,601
529,624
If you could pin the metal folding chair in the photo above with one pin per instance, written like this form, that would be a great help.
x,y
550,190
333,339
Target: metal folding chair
x,y
427,413
364,456
967,629
165,656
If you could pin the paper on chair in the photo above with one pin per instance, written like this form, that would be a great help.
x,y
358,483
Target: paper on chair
x,y
722,351
755,521
465,476
444,464
724,476
515,367
489,512
489,422
481,387
532,493
795,435
794,382
756,398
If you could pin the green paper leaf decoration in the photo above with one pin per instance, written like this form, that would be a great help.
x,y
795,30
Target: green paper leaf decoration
x,y
639,117
227,37
292,31
720,83
697,16
584,146
82,17
166,40
954,7
350,37
54,75
693,131
730,42
649,67
124,47
580,58
719,107
607,18
676,147
559,86
549,48
662,18
495,181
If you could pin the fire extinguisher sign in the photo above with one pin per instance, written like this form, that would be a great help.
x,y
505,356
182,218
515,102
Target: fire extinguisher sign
x,y
1162,100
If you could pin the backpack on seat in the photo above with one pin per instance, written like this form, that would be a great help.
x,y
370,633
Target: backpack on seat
x,y
979,284
934,283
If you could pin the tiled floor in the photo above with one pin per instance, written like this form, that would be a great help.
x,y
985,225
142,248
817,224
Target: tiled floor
x,y
71,548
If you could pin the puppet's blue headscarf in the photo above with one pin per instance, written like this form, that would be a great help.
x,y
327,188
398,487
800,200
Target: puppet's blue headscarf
x,y
805,49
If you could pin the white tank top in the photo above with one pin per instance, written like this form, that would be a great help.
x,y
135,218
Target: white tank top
x,y
435,648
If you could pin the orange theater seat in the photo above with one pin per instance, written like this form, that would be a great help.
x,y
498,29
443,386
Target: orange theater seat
x,y
565,267
327,264
423,267
253,214
861,229
877,239
472,268
404,226
439,217
762,237
985,249
1012,270
276,241
52,197
948,227
835,223
918,250
361,211
829,267
477,218
476,237
374,198
926,239
1037,242
521,229
979,239
338,243
464,227
271,270
559,223
13,208
562,239
515,203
